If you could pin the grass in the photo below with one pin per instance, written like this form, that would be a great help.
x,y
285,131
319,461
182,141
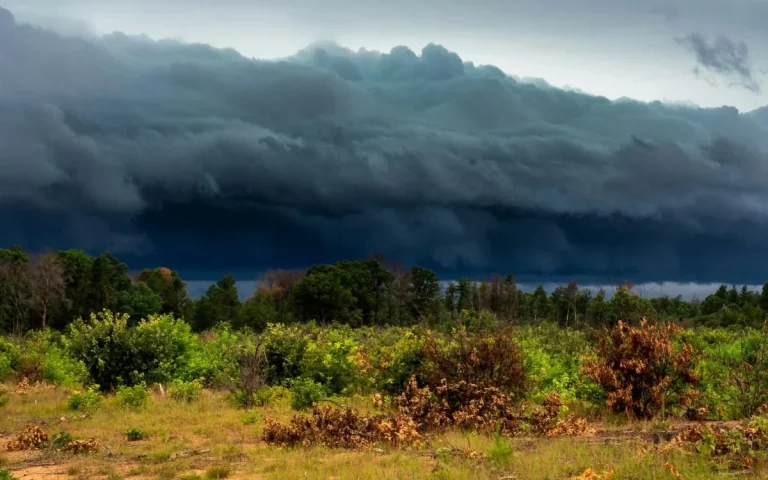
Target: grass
x,y
209,439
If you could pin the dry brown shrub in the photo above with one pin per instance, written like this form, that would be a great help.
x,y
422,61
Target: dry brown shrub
x,y
343,428
31,438
641,369
486,360
571,427
460,404
674,471
82,446
590,474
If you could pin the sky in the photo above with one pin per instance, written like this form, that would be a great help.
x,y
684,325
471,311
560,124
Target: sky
x,y
613,48
263,136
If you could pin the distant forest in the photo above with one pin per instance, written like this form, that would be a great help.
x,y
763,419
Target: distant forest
x,y
52,289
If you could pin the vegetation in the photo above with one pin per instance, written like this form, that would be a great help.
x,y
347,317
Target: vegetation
x,y
362,357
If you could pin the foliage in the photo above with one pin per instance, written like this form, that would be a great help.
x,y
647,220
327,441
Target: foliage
x,y
251,378
500,451
88,400
9,358
182,391
330,359
284,347
305,393
342,428
642,370
217,472
31,438
105,345
135,434
61,439
133,397
486,360
6,475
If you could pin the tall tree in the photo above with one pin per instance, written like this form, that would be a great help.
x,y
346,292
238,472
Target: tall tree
x,y
220,303
425,290
47,285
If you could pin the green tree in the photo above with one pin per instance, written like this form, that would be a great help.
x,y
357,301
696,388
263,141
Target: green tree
x,y
169,287
321,296
425,292
220,303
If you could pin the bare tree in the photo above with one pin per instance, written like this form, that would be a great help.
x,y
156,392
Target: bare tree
x,y
47,284
15,293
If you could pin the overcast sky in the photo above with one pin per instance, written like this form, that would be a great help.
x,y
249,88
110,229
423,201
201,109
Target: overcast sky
x,y
613,48
207,161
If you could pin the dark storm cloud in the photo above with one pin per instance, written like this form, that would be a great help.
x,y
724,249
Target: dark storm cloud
x,y
206,161
724,57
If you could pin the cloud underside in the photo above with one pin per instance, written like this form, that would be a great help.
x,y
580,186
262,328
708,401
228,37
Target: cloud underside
x,y
206,161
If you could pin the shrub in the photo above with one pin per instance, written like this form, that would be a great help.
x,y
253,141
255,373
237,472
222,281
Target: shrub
x,y
182,391
331,359
213,357
251,377
85,401
163,346
133,397
61,439
642,370
391,358
156,350
305,393
217,472
250,419
284,347
105,345
46,357
485,360
135,434
6,475
500,451
9,357
4,397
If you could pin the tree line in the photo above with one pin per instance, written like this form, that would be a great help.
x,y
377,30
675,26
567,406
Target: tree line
x,y
52,289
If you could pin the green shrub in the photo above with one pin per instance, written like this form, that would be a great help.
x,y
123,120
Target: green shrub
x,y
213,357
133,397
392,357
331,359
250,418
6,475
306,392
61,439
182,391
9,357
105,345
284,347
135,434
217,472
158,349
500,451
46,357
85,401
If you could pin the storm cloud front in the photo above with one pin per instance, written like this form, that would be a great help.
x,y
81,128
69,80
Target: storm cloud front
x,y
206,161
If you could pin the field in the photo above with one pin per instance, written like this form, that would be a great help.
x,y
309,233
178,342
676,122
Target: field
x,y
491,402
210,438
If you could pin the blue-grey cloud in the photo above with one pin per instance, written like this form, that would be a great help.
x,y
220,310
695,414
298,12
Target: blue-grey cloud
x,y
207,161
724,57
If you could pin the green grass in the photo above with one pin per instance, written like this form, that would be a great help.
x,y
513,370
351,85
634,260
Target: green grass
x,y
209,439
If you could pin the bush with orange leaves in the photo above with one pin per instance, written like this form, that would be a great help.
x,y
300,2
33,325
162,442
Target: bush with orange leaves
x,y
642,370
486,360
342,428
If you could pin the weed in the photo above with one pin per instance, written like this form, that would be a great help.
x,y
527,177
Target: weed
x,y
217,472
134,434
500,452
133,397
6,475
250,419
85,401
61,439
